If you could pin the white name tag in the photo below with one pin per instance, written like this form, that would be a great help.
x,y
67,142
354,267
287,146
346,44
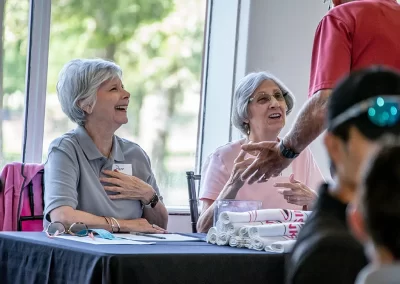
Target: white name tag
x,y
123,168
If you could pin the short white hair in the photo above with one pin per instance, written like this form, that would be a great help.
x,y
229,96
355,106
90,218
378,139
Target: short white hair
x,y
78,83
245,89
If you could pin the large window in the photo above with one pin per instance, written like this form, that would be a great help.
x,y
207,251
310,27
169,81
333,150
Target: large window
x,y
158,44
13,39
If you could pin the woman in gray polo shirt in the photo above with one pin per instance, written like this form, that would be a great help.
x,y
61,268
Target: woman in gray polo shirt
x,y
91,175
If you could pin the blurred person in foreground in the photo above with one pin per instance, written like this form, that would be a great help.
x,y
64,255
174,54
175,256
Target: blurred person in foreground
x,y
351,36
362,109
375,216
261,104
91,175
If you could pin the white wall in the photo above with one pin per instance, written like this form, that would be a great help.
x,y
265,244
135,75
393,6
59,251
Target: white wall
x,y
179,223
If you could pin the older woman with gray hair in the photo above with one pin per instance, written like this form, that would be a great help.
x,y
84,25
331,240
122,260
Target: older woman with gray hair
x,y
91,175
261,103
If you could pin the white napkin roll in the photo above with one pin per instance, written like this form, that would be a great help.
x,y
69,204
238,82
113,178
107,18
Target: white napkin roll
x,y
239,242
244,232
283,215
233,228
211,237
259,243
272,230
223,239
244,229
281,246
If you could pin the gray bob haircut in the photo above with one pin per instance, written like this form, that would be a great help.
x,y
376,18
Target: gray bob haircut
x,y
245,89
78,83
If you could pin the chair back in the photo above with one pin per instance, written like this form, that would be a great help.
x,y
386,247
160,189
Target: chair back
x,y
193,198
21,197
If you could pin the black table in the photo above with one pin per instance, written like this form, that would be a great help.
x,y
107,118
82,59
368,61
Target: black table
x,y
32,257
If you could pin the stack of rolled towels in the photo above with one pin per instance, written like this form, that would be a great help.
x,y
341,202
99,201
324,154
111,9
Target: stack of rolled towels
x,y
272,230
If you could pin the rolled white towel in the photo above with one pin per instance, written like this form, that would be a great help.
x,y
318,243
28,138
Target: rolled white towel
x,y
236,241
281,246
271,230
244,232
260,243
283,215
233,228
223,239
211,237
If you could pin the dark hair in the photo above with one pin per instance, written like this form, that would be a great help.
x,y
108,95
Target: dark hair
x,y
380,200
359,86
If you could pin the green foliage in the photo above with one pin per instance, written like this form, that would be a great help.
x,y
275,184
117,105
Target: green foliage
x,y
15,45
106,24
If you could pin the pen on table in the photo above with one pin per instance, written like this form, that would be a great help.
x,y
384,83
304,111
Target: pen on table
x,y
147,235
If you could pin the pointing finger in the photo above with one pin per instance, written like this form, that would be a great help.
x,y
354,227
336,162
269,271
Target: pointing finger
x,y
258,146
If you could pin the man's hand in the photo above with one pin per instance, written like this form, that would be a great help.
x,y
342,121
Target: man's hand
x,y
239,166
269,161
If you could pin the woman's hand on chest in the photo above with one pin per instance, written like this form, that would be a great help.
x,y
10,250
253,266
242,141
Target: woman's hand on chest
x,y
127,187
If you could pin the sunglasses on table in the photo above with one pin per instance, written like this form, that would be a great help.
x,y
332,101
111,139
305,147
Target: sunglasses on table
x,y
383,111
76,229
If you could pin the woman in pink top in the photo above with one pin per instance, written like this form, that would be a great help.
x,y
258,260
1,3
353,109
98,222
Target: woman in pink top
x,y
261,103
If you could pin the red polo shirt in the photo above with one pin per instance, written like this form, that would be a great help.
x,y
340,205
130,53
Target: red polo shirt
x,y
352,36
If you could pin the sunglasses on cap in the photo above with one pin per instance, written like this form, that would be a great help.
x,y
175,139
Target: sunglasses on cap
x,y
383,111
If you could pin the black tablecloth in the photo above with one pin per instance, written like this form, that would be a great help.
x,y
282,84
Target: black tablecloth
x,y
34,258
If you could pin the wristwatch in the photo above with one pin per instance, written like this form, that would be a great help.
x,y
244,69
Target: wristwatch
x,y
153,201
287,152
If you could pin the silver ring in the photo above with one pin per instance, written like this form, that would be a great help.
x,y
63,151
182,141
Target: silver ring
x,y
153,225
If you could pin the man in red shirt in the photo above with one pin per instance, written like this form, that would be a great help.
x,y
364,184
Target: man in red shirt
x,y
353,35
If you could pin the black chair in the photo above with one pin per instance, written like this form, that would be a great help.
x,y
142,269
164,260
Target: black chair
x,y
193,198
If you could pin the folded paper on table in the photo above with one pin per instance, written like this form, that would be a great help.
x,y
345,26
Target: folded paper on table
x,y
282,215
168,238
100,241
271,230
281,246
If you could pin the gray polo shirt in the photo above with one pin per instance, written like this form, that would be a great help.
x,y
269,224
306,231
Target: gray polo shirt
x,y
72,172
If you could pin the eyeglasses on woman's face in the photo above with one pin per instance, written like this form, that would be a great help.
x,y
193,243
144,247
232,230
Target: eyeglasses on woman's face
x,y
263,98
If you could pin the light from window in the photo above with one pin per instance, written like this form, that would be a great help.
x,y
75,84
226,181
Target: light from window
x,y
14,37
159,45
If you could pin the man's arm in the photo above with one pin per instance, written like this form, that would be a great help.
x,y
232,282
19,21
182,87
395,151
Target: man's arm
x,y
310,122
331,60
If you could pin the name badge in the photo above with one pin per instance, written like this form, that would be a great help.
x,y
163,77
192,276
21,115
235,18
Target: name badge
x,y
123,168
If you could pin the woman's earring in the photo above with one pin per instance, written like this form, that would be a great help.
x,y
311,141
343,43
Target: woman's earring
x,y
247,127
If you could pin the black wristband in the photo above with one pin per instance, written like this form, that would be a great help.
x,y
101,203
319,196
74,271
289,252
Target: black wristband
x,y
287,152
